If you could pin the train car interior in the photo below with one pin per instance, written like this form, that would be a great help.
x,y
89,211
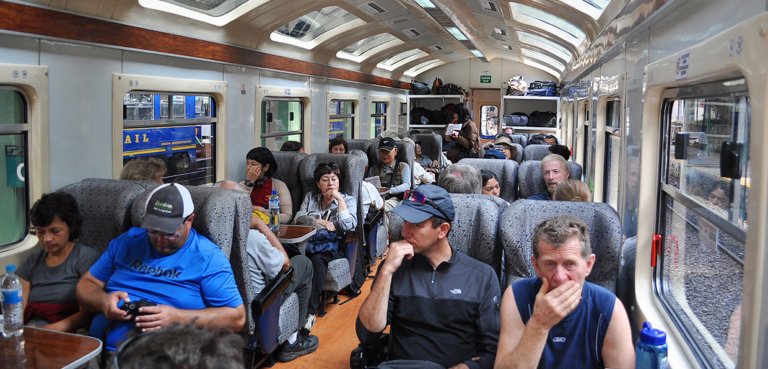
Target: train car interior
x,y
660,106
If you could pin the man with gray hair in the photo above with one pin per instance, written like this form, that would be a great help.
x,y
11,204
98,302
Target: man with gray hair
x,y
555,170
266,259
461,178
558,319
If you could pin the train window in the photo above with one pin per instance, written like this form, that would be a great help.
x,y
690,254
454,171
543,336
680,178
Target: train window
x,y
541,57
423,67
378,118
281,120
540,19
309,27
702,217
545,44
401,59
612,155
341,122
13,157
363,49
489,118
178,129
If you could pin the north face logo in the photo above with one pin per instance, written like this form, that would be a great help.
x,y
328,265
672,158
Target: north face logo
x,y
154,271
163,206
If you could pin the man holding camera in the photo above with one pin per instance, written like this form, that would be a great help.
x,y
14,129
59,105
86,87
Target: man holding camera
x,y
164,262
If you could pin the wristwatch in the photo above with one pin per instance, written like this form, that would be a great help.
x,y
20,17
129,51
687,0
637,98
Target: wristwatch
x,y
248,183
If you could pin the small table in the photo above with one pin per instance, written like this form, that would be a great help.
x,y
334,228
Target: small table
x,y
296,234
48,349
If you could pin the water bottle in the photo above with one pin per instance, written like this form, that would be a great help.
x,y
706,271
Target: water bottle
x,y
274,211
13,312
651,348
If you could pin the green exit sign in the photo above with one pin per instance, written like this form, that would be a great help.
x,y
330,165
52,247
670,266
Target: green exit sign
x,y
485,79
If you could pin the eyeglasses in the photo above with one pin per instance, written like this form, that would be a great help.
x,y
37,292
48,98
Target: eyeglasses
x,y
169,237
420,198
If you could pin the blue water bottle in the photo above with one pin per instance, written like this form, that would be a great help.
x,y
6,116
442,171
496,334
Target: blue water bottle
x,y
651,348
274,211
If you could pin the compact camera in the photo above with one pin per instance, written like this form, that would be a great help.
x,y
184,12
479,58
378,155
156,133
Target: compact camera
x,y
132,308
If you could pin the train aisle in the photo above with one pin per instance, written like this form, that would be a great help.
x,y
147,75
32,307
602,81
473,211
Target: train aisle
x,y
336,332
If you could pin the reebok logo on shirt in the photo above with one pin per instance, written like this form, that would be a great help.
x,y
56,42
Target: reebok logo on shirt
x,y
154,271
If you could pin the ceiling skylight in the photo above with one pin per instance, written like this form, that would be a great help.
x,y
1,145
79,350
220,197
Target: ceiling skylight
x,y
313,28
543,43
215,12
477,53
423,67
401,59
591,8
543,58
537,65
456,33
540,19
365,48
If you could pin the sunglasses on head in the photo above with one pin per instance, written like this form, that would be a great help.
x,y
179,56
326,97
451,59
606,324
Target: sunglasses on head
x,y
421,198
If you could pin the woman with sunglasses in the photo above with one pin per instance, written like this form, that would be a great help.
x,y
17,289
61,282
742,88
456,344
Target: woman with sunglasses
x,y
49,276
260,166
337,214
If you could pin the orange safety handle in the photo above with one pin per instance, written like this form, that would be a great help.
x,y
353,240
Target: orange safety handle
x,y
655,249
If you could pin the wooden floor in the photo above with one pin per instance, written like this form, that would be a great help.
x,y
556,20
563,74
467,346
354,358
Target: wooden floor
x,y
336,332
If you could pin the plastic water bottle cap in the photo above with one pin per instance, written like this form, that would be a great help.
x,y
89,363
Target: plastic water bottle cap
x,y
11,268
652,336
274,192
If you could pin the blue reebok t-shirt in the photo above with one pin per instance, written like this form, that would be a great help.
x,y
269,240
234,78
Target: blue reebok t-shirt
x,y
195,277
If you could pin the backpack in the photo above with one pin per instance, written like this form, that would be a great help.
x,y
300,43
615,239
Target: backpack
x,y
542,88
422,116
419,88
323,241
436,86
516,86
543,119
516,119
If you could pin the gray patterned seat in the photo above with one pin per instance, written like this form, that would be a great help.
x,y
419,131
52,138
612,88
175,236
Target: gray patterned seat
x,y
224,217
288,163
535,152
520,139
106,208
520,152
473,231
289,317
431,144
531,181
360,144
405,153
516,231
505,170
340,271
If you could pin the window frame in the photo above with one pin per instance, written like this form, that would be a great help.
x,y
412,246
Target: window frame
x,y
23,129
123,84
32,82
302,122
387,114
353,97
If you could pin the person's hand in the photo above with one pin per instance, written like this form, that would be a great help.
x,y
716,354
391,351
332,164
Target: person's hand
x,y
460,366
252,174
397,252
110,309
551,307
454,134
327,224
156,317
435,163
383,189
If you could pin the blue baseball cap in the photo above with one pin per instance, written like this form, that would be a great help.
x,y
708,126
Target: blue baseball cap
x,y
424,202
494,154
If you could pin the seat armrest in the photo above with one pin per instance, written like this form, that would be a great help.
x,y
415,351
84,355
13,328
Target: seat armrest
x,y
271,292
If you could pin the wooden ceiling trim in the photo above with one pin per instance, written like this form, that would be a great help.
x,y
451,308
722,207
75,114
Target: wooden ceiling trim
x,y
51,23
